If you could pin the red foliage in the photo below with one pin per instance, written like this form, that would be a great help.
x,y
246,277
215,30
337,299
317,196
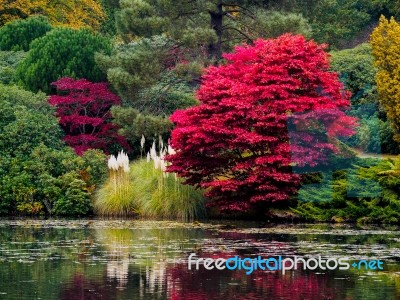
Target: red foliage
x,y
84,111
236,142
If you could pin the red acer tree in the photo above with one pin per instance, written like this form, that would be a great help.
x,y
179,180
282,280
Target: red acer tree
x,y
83,108
236,143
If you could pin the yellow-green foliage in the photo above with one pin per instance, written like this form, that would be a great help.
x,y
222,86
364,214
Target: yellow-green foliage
x,y
385,42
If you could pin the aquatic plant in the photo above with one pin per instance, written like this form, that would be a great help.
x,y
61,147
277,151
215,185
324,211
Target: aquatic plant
x,y
115,197
147,189
160,194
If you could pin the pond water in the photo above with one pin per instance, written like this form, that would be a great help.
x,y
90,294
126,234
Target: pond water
x,y
98,259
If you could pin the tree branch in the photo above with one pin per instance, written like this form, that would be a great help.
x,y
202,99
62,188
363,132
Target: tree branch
x,y
232,39
242,8
239,31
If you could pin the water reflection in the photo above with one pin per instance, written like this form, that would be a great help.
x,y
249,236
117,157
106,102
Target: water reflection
x,y
139,261
118,270
260,285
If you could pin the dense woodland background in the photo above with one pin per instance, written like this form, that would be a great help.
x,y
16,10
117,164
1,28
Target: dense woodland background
x,y
80,80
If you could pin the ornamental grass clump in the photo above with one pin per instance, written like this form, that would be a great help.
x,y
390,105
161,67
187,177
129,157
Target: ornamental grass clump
x,y
115,198
160,194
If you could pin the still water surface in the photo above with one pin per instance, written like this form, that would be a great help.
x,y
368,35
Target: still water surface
x,y
148,260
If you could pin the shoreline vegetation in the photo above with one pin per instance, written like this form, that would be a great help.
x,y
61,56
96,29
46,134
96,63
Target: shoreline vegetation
x,y
142,109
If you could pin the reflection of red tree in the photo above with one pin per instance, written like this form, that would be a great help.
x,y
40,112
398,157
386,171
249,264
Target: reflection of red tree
x,y
80,288
219,284
295,286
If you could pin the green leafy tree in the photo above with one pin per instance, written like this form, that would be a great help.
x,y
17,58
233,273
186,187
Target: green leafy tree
x,y
135,66
385,48
60,174
9,61
357,72
26,122
210,25
336,21
273,23
38,173
75,199
167,95
168,43
134,124
63,52
28,130
19,34
340,23
110,8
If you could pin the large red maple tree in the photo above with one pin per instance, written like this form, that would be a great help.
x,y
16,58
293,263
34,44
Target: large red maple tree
x,y
236,143
83,108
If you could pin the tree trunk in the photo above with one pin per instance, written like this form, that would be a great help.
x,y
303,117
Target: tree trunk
x,y
215,48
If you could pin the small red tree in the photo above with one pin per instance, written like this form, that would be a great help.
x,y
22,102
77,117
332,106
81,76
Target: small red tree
x,y
236,142
84,111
